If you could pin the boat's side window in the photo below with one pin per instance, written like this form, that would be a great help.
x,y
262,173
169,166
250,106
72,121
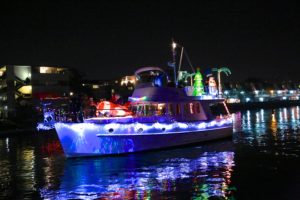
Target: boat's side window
x,y
186,108
171,109
177,109
154,109
197,107
149,110
192,108
161,109
140,110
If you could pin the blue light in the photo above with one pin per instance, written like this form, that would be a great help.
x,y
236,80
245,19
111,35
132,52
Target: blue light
x,y
134,177
44,126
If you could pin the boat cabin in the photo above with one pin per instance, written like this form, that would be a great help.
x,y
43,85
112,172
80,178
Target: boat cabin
x,y
152,97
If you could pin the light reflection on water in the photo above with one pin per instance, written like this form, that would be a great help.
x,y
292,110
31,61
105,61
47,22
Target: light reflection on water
x,y
265,147
129,177
274,131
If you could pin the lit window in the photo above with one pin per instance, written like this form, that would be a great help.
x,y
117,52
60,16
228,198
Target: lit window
x,y
192,108
26,89
43,70
51,70
95,86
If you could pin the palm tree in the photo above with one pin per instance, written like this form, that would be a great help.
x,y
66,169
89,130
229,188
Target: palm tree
x,y
226,71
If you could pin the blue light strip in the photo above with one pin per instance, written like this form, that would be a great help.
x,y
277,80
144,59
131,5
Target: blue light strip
x,y
136,128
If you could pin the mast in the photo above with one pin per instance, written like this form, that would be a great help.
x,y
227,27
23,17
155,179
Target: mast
x,y
174,61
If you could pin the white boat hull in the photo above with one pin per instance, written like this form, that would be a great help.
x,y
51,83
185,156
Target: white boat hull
x,y
94,140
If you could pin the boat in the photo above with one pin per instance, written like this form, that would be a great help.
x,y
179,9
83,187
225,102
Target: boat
x,y
159,115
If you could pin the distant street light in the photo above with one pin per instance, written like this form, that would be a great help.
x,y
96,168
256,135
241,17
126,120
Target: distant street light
x,y
174,45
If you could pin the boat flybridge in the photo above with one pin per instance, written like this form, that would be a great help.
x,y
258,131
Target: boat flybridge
x,y
158,116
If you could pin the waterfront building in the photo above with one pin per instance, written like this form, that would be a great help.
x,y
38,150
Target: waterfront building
x,y
23,85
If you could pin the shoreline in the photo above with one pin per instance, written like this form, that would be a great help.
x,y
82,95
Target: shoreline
x,y
262,105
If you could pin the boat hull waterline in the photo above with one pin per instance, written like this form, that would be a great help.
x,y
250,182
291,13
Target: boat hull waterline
x,y
89,139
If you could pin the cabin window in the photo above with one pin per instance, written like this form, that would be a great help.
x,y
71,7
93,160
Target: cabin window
x,y
186,108
171,109
149,109
140,110
197,107
161,109
178,109
133,109
192,108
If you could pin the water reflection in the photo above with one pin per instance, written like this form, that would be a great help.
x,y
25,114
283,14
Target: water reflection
x,y
275,131
282,118
17,171
148,175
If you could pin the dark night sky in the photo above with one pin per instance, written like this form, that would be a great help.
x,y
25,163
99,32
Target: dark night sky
x,y
106,39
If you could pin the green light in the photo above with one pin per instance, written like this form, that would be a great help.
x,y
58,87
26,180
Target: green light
x,y
198,85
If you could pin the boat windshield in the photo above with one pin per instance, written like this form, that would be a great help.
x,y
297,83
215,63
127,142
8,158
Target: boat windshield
x,y
155,77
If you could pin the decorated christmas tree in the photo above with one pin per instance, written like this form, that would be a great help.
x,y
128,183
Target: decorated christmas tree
x,y
198,85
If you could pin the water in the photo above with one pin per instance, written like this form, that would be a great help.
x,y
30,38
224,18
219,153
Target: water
x,y
261,161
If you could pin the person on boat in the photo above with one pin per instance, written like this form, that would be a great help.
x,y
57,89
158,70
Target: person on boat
x,y
89,107
118,99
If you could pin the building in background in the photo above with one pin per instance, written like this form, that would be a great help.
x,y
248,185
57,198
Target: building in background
x,y
22,85
97,89
105,89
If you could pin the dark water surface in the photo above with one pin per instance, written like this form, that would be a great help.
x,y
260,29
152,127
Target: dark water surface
x,y
261,161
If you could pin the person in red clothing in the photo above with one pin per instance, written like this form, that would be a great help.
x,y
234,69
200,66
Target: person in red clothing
x,y
117,99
